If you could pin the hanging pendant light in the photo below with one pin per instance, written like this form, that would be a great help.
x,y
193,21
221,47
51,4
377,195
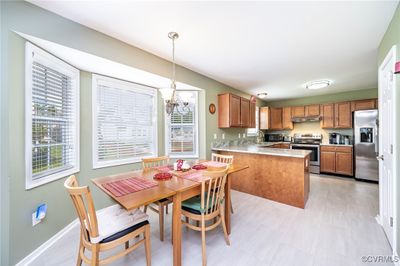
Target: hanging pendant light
x,y
172,101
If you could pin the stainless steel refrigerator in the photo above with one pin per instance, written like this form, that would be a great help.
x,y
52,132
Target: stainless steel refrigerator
x,y
366,144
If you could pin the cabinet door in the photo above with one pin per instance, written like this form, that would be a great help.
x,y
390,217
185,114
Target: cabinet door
x,y
312,110
252,115
328,161
327,111
223,110
285,146
363,105
287,118
244,112
234,110
298,111
344,163
343,117
276,118
264,118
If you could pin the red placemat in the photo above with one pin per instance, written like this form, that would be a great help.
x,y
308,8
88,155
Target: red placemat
x,y
165,168
214,164
129,185
198,177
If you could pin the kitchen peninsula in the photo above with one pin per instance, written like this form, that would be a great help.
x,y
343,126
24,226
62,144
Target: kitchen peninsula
x,y
277,174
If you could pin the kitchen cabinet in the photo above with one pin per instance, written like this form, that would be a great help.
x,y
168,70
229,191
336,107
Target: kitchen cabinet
x,y
298,111
312,110
287,118
328,111
234,111
343,116
244,112
252,115
276,118
367,104
264,118
337,160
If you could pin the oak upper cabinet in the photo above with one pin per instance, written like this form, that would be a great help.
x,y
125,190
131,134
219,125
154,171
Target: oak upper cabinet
x,y
264,118
343,116
298,111
364,105
337,160
328,112
287,118
252,115
228,110
312,110
244,112
276,118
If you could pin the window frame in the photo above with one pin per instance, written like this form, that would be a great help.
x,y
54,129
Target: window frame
x,y
127,85
257,128
196,127
59,65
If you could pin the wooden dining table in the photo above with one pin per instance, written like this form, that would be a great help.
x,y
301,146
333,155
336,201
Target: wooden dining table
x,y
178,188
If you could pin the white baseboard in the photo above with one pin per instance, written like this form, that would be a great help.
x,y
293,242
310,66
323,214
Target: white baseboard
x,y
37,252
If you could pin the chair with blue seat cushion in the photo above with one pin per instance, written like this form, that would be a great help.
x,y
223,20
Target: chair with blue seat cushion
x,y
228,159
207,207
108,228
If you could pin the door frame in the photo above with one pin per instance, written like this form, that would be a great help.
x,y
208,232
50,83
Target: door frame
x,y
391,53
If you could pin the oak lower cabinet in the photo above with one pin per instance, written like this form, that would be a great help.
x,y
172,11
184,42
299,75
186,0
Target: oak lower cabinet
x,y
276,118
234,111
287,118
337,160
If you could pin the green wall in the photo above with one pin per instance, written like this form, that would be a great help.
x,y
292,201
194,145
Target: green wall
x,y
392,37
328,98
18,237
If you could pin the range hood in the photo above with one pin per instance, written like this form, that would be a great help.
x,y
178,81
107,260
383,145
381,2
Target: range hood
x,y
306,119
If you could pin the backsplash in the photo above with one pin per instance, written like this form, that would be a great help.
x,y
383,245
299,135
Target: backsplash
x,y
314,127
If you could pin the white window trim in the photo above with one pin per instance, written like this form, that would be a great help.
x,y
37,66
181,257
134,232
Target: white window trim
x,y
62,67
127,85
166,135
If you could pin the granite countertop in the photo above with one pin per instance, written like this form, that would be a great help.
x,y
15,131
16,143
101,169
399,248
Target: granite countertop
x,y
262,148
339,145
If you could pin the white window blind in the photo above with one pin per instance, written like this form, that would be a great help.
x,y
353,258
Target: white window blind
x,y
254,131
182,129
125,122
51,119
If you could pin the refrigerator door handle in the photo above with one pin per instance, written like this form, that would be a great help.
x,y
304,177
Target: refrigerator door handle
x,y
376,141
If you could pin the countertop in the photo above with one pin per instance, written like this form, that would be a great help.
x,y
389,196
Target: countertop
x,y
338,145
262,148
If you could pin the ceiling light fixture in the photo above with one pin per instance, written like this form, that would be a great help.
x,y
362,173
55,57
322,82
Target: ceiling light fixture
x,y
262,95
318,84
172,101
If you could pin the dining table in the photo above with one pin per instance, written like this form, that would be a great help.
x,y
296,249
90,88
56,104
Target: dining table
x,y
177,188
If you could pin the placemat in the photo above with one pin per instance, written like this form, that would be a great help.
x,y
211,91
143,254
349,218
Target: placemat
x,y
198,177
214,164
165,168
129,185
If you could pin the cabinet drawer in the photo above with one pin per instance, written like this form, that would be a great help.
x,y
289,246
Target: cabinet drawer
x,y
344,149
328,148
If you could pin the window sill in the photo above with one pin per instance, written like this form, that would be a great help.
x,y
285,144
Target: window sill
x,y
50,178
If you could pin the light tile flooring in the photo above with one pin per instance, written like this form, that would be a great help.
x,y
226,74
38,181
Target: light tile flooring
x,y
336,228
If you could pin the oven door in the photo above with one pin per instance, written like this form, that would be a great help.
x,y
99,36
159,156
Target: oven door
x,y
314,156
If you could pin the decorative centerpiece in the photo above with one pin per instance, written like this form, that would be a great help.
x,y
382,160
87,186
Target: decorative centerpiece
x,y
181,165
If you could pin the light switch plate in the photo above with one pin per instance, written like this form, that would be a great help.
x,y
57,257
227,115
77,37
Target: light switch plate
x,y
223,136
35,221
239,136
215,135
244,135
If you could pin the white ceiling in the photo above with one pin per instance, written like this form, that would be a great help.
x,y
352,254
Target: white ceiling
x,y
272,47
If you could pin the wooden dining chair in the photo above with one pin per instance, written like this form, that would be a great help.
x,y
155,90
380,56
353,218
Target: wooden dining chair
x,y
228,159
106,229
206,208
158,206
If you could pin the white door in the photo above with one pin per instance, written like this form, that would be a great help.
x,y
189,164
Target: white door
x,y
386,141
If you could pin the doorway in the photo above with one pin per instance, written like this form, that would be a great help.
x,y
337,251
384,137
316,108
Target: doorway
x,y
387,116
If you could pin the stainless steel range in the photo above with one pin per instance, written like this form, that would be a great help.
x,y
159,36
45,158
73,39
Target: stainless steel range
x,y
312,143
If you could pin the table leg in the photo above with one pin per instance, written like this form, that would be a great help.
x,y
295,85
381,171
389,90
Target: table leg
x,y
177,230
228,204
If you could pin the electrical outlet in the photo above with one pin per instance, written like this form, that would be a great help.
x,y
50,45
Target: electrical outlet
x,y
223,135
244,135
35,220
239,136
215,135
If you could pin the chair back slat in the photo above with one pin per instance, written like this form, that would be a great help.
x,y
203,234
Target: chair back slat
x,y
149,163
212,190
84,206
228,159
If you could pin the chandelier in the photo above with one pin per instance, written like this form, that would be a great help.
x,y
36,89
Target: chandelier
x,y
172,100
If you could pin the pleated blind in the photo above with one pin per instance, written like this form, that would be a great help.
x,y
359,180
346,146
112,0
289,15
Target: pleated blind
x,y
182,130
125,126
52,121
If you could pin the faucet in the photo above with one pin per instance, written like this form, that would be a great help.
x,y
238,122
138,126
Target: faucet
x,y
260,136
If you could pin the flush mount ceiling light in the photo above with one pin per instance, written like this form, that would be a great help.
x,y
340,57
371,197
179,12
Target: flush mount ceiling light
x,y
172,101
262,95
318,84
